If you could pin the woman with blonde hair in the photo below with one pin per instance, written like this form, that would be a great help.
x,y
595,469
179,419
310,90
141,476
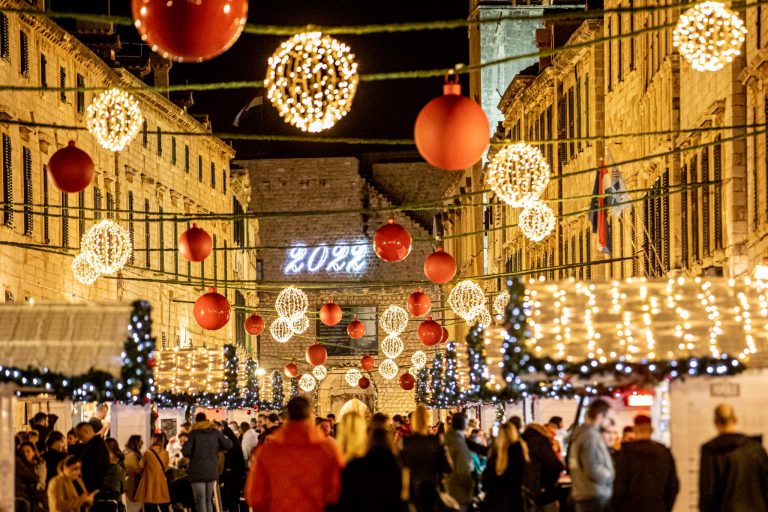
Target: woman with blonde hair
x,y
352,436
503,477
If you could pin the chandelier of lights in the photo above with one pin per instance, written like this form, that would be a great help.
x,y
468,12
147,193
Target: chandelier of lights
x,y
388,369
392,346
291,303
83,271
500,303
307,383
394,320
280,330
353,376
114,118
301,325
107,247
311,81
518,173
536,221
464,297
319,372
419,360
709,35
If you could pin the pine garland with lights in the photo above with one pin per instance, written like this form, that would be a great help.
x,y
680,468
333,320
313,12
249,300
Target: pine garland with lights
x,y
294,387
231,363
278,397
422,386
251,396
437,400
451,390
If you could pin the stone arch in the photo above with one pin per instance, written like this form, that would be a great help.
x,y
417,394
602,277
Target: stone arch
x,y
334,392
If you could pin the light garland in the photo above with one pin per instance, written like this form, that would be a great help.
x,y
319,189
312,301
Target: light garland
x,y
419,360
83,271
301,325
500,303
464,298
114,118
311,81
518,174
394,320
291,303
307,383
709,35
388,369
536,221
353,376
107,247
319,372
392,346
280,330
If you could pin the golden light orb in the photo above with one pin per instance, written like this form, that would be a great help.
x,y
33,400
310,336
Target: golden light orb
x,y
319,372
394,320
307,383
281,330
709,35
83,271
292,303
392,346
107,247
353,376
114,118
500,303
536,221
465,297
518,174
419,360
388,369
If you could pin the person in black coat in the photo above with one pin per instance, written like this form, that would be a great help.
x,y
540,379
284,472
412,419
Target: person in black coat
x,y
43,423
56,450
503,477
94,455
544,468
734,469
646,478
233,478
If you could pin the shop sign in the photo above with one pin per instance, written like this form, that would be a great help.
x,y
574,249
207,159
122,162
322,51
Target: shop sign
x,y
724,389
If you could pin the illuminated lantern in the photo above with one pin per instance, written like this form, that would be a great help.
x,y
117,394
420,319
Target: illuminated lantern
x,y
439,267
407,382
451,131
316,354
330,313
254,325
392,242
291,370
356,329
71,169
195,244
189,31
364,383
367,363
445,335
430,332
419,303
212,310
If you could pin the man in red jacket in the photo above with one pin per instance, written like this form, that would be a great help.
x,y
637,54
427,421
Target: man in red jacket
x,y
296,469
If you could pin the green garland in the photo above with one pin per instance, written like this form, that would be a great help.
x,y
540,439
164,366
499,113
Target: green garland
x,y
294,387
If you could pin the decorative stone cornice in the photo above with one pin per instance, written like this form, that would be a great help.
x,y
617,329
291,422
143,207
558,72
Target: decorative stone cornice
x,y
130,173
240,185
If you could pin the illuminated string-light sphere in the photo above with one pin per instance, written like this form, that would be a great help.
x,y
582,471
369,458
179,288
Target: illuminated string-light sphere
x,y
392,346
280,330
419,360
536,221
500,303
388,369
464,297
518,173
319,372
307,383
291,303
83,271
311,81
709,35
394,320
107,247
114,118
301,325
353,376
481,316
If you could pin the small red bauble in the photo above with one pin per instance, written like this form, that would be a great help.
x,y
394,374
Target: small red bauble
x,y
451,131
419,303
195,244
212,310
291,370
254,325
407,382
364,382
367,363
392,242
191,31
316,354
248,412
439,267
430,332
356,329
444,338
71,169
330,313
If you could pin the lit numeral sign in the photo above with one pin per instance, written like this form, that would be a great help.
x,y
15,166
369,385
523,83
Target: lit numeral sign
x,y
348,259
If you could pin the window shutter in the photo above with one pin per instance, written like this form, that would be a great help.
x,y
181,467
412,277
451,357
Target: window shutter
x,y
213,175
173,150
96,203
62,84
159,141
5,51
665,235
28,216
684,216
705,210
110,206
694,211
46,233
43,71
215,262
176,253
588,247
718,208
147,236
80,95
144,133
64,220
131,228
24,54
161,238
7,182
81,216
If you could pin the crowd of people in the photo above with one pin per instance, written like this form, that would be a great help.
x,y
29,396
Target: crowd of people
x,y
292,463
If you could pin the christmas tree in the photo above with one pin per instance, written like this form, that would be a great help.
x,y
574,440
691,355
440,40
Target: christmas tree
x,y
230,373
278,398
438,396
294,387
251,391
451,377
422,386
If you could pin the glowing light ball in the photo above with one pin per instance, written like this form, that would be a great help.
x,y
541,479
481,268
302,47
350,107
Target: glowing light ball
x,y
388,369
537,221
464,297
107,247
353,376
419,359
281,330
393,320
392,346
709,35
518,174
114,118
319,372
83,271
307,383
291,303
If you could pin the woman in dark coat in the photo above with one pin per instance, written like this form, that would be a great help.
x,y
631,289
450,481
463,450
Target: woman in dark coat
x,y
503,477
233,477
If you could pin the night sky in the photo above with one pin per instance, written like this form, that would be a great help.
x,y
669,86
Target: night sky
x,y
380,109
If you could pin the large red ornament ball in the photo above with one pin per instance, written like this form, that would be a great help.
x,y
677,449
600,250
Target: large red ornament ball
x,y
430,332
195,244
71,168
189,31
291,370
356,329
212,310
407,382
392,242
316,354
419,303
439,267
444,338
367,362
451,131
330,313
254,325
364,382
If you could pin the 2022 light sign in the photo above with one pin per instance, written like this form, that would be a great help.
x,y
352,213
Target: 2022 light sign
x,y
339,258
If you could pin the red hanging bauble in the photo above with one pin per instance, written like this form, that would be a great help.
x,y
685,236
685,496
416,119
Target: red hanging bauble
x,y
316,354
71,169
330,313
151,362
419,303
212,310
439,267
291,370
254,325
430,332
356,329
364,382
187,31
248,412
392,242
195,244
445,335
407,382
367,363
451,131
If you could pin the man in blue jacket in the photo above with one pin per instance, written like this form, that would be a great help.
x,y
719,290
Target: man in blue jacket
x,y
590,461
202,448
